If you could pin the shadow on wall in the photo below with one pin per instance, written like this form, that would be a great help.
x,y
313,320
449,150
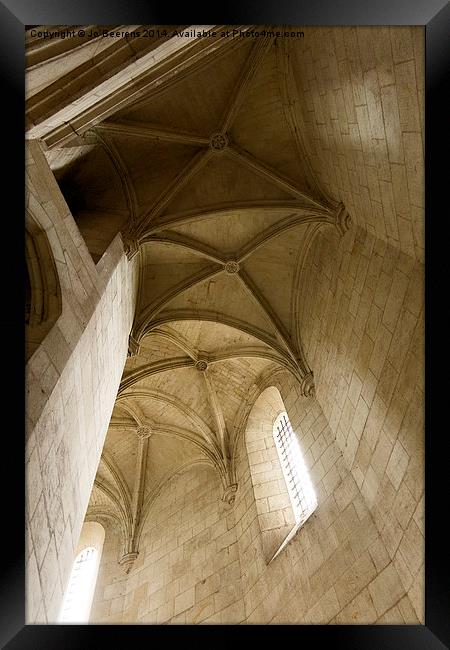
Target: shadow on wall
x,y
95,193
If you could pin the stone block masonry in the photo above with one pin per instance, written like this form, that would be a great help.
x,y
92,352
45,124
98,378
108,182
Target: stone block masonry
x,y
362,108
363,329
336,569
188,569
72,382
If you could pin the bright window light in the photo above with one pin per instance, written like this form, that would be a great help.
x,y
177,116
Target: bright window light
x,y
77,601
299,485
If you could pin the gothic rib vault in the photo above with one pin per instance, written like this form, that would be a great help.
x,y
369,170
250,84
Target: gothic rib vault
x,y
208,179
188,201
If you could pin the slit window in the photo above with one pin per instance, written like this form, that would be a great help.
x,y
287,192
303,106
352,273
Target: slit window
x,y
295,472
78,597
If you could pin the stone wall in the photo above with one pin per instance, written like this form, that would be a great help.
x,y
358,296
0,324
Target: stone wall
x,y
336,569
361,105
363,331
107,605
72,381
201,562
188,568
359,557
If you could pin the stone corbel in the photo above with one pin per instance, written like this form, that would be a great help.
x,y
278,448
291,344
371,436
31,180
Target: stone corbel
x,y
229,494
131,248
127,561
308,387
130,242
343,219
133,346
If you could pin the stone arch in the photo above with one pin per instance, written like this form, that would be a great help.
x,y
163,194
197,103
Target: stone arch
x,y
92,534
43,291
80,589
278,522
109,520
160,490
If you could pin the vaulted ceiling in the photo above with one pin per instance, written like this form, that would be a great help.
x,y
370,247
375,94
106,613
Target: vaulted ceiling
x,y
207,177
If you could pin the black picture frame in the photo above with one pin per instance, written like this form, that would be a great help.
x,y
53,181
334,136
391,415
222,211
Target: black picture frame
x,y
434,15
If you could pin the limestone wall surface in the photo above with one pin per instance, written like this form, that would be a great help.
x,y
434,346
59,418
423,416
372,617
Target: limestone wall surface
x,y
363,330
361,103
72,381
336,569
201,562
355,109
188,568
107,604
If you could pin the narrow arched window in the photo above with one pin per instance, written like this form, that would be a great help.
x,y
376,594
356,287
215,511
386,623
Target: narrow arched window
x,y
77,602
298,483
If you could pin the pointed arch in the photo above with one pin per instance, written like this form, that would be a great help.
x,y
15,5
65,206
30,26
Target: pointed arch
x,y
152,497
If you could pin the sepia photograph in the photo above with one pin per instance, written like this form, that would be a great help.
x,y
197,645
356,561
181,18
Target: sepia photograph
x,y
224,324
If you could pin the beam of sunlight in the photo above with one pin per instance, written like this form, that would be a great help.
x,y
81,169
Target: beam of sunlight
x,y
80,590
298,481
